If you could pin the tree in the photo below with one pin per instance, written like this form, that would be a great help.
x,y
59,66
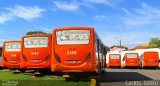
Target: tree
x,y
107,48
35,32
154,43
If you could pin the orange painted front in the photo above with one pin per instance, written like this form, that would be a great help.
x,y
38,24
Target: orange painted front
x,y
150,59
79,58
36,58
132,62
114,62
10,59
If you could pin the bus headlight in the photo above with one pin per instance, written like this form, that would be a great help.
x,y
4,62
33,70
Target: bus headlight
x,y
88,57
46,58
24,58
57,58
5,59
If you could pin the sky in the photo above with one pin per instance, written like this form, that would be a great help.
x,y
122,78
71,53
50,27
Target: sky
x,y
134,22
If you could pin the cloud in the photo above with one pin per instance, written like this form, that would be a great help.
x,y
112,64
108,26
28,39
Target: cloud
x,y
146,15
74,5
66,6
100,17
5,17
129,38
106,2
26,13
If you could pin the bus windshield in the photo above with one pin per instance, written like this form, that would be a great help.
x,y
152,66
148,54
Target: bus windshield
x,y
35,42
131,55
13,46
114,56
73,37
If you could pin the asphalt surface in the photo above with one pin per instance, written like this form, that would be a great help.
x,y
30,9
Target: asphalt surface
x,y
130,77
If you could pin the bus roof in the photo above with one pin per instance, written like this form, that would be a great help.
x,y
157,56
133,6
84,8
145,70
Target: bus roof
x,y
12,41
73,27
34,35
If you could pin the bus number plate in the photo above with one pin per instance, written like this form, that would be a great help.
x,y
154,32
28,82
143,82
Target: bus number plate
x,y
35,60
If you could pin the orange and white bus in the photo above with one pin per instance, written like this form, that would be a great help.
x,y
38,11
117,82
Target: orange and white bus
x,y
11,54
150,59
36,51
132,60
114,60
77,49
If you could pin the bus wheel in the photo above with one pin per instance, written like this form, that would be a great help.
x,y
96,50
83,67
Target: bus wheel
x,y
157,67
102,71
22,70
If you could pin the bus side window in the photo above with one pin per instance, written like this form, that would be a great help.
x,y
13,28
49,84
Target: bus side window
x,y
98,48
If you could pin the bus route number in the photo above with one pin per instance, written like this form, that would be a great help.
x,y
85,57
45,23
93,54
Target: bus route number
x,y
71,52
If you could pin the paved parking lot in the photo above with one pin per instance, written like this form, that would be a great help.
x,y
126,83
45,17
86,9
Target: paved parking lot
x,y
121,77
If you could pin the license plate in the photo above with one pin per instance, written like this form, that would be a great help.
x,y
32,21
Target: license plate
x,y
35,60
72,61
151,59
13,61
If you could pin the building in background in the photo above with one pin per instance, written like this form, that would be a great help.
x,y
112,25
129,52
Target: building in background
x,y
145,46
117,48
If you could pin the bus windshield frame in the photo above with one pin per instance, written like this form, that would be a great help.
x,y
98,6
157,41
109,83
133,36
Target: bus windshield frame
x,y
116,56
132,55
34,41
60,34
12,46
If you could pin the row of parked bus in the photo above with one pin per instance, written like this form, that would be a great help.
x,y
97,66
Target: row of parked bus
x,y
67,49
135,58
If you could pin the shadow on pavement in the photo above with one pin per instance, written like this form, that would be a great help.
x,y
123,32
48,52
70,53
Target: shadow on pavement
x,y
119,78
123,76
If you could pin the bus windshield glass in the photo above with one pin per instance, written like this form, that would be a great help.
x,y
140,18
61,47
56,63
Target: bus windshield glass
x,y
132,55
114,56
35,42
13,46
73,37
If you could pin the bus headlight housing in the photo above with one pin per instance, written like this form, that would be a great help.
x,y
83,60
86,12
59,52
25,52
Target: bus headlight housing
x,y
88,57
47,57
5,59
24,58
57,58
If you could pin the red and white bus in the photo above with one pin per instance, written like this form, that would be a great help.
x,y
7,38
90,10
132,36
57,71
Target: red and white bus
x,y
36,51
150,59
11,54
132,60
77,49
114,60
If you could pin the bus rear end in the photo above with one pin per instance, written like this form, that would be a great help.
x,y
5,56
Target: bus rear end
x,y
73,50
114,60
36,51
131,60
150,59
11,54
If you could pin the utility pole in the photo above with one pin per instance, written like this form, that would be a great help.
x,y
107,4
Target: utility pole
x,y
119,40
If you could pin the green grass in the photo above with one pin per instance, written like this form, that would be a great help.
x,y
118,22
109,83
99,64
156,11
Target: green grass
x,y
28,80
